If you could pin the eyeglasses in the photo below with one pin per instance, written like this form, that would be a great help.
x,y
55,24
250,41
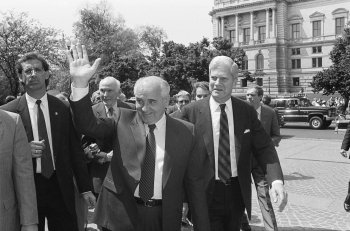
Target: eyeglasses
x,y
183,101
30,71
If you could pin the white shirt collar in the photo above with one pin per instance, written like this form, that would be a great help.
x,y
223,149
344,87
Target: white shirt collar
x,y
215,106
32,101
159,124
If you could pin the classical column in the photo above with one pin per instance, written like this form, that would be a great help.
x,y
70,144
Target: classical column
x,y
236,31
267,23
223,26
217,27
251,42
273,22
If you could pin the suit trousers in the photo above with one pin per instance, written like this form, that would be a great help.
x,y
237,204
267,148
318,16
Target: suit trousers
x,y
226,207
52,206
150,218
262,189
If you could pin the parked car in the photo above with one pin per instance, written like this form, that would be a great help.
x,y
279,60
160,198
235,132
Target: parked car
x,y
294,109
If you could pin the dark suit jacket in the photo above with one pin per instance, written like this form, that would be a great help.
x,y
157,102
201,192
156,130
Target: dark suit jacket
x,y
346,140
269,121
184,165
66,146
98,171
249,136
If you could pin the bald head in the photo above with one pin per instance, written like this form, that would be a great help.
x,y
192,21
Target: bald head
x,y
109,88
223,74
152,97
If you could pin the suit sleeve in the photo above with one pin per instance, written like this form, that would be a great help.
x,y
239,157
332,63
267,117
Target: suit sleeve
x,y
195,184
79,166
23,177
86,123
346,141
263,149
275,130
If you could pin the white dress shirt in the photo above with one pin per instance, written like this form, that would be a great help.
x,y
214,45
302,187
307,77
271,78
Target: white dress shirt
x,y
159,134
215,120
33,113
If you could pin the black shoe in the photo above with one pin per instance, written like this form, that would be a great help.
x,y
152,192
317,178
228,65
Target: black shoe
x,y
245,227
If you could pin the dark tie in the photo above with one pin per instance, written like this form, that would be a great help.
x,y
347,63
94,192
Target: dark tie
x,y
146,187
110,112
46,158
224,161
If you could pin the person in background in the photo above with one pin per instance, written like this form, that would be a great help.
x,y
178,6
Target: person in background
x,y
232,135
109,88
182,98
55,147
96,97
17,195
266,99
122,97
268,119
200,90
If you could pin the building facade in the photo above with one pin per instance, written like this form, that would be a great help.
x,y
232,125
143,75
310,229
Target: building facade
x,y
286,41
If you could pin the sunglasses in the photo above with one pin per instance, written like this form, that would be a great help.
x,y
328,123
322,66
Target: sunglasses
x,y
183,101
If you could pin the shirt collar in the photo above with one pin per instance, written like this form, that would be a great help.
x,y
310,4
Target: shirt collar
x,y
215,106
32,101
159,124
115,107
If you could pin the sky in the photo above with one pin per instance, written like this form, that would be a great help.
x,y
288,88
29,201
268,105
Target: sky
x,y
184,21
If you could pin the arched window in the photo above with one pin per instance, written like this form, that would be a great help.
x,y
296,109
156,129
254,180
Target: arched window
x,y
259,62
245,63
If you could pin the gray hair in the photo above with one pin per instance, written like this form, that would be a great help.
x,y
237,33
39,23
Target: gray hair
x,y
113,80
224,60
164,86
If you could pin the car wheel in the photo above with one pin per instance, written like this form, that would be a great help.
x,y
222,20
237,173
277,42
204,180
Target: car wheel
x,y
316,122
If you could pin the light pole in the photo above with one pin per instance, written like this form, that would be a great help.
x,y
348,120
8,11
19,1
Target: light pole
x,y
269,85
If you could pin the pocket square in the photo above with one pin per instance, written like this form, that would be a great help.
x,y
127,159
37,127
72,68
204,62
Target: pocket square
x,y
246,131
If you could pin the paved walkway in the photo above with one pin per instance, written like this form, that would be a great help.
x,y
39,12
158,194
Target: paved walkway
x,y
316,178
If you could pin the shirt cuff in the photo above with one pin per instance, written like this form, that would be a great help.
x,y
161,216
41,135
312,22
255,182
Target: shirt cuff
x,y
109,155
276,182
78,93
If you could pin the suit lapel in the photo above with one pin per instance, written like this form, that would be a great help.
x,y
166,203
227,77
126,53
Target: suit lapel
x,y
139,135
206,128
23,111
55,124
170,146
238,119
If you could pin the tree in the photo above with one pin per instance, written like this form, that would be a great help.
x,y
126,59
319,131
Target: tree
x,y
150,41
19,35
104,35
337,77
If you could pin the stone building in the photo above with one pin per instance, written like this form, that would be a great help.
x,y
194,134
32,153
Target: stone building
x,y
286,41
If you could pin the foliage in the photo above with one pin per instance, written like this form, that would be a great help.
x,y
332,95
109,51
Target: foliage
x,y
127,70
19,35
104,35
337,77
150,41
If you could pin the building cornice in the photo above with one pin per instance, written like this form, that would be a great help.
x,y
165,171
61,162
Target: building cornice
x,y
244,7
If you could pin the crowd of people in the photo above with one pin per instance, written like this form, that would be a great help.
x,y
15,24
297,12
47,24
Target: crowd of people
x,y
143,166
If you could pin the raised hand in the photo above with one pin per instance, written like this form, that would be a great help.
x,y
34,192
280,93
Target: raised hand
x,y
79,66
